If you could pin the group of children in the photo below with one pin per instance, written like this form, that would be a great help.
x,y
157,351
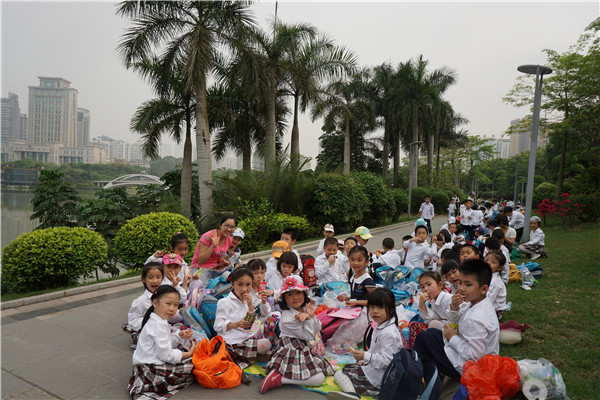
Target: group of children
x,y
462,296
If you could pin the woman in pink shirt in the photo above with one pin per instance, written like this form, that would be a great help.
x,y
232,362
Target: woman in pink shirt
x,y
212,247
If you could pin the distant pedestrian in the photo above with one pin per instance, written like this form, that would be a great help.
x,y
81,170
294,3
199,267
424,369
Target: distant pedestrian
x,y
427,212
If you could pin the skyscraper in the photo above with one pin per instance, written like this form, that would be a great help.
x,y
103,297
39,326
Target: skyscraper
x,y
11,118
52,113
83,126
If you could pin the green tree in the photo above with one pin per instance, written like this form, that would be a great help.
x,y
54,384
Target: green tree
x,y
54,201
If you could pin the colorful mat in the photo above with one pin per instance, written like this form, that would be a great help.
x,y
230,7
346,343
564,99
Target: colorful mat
x,y
337,362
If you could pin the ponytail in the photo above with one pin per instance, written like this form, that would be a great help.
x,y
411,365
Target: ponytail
x,y
158,293
147,316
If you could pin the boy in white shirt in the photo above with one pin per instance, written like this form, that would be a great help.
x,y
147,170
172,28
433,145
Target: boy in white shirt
x,y
452,209
516,221
478,328
388,256
418,251
330,266
427,212
290,235
328,232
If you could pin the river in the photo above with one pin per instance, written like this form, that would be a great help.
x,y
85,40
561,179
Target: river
x,y
16,210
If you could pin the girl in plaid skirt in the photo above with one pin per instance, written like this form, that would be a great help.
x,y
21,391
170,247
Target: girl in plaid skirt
x,y
161,370
364,377
294,362
535,246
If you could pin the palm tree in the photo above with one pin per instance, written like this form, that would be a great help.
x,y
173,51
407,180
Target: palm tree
x,y
189,33
170,113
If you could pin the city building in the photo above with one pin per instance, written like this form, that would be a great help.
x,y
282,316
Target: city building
x,y
229,161
11,119
24,124
83,127
52,114
520,139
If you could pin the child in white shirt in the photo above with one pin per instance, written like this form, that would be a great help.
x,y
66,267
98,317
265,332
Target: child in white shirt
x,y
287,266
452,208
497,292
331,266
434,301
158,366
387,256
278,248
427,212
289,235
418,251
535,245
180,244
328,232
172,268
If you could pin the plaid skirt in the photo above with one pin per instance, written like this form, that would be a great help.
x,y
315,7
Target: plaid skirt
x,y
243,353
536,248
295,360
159,382
361,383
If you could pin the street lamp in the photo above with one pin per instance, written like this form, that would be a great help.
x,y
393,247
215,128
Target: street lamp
x,y
410,173
539,71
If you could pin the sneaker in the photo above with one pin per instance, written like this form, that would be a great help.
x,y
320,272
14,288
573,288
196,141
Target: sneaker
x,y
536,256
271,381
342,395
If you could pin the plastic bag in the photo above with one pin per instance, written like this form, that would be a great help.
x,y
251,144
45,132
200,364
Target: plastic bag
x,y
349,334
330,298
526,276
541,380
404,314
491,376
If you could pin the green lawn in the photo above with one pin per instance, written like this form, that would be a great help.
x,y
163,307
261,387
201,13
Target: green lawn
x,y
563,309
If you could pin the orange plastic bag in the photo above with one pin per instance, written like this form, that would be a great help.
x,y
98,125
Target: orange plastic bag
x,y
491,377
213,367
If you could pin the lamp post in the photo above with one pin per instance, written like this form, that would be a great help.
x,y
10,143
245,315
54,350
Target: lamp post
x,y
410,173
539,71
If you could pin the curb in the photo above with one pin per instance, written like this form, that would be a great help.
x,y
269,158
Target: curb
x,y
125,281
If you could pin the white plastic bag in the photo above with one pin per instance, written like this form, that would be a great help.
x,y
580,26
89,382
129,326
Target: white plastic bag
x,y
349,334
541,380
526,276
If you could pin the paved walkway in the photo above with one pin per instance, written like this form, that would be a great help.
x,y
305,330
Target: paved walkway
x,y
73,347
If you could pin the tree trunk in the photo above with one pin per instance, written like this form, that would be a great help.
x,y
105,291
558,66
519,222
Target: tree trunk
x,y
437,163
413,151
186,169
347,147
271,130
247,154
430,144
295,141
396,158
386,154
203,150
561,165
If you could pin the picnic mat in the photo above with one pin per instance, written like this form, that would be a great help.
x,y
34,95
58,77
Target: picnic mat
x,y
337,362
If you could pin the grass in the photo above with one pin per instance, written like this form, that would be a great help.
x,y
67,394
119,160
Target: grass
x,y
563,309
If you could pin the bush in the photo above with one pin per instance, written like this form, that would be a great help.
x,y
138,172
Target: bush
x,y
439,199
545,190
591,211
417,197
140,237
380,198
264,230
401,201
338,200
51,258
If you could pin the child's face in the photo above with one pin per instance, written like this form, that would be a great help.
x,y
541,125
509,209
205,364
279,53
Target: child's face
x,y
534,225
361,241
153,279
286,237
469,288
468,204
182,249
358,263
236,241
438,241
452,201
467,253
430,286
327,234
348,246
422,234
452,276
427,200
378,314
493,262
259,275
242,286
166,306
294,299
171,270
286,269
452,228
330,250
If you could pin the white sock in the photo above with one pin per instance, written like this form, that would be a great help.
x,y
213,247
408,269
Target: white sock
x,y
315,380
344,381
263,346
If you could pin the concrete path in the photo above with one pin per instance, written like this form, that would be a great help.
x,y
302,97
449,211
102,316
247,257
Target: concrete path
x,y
73,347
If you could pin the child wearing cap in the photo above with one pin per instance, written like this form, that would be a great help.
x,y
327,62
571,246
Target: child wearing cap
x,y
234,256
172,268
328,232
278,248
179,244
535,245
293,362
362,235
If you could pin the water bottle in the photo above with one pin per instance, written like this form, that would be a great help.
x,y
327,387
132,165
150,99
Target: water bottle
x,y
405,336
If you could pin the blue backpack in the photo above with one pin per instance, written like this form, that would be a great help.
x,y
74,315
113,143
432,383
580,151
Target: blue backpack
x,y
334,285
403,378
192,317
208,311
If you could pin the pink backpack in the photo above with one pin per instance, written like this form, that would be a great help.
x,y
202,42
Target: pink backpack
x,y
329,324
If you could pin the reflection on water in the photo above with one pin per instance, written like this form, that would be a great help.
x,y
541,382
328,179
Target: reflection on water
x,y
16,210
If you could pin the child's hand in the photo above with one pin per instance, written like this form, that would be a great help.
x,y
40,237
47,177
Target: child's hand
x,y
423,297
331,260
186,281
302,317
190,352
449,331
341,297
310,308
243,324
269,292
360,362
186,333
160,253
351,303
457,300
173,278
248,299
263,297
357,354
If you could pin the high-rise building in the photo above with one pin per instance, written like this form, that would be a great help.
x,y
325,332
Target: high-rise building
x,y
23,130
52,113
11,118
83,126
520,139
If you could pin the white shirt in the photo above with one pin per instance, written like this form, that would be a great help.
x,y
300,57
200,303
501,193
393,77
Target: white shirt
x,y
291,327
138,309
390,258
416,254
477,218
401,253
451,208
497,292
271,267
465,214
427,211
478,334
231,309
275,282
156,344
299,259
495,207
510,203
182,292
517,220
439,308
336,272
536,237
385,342
321,247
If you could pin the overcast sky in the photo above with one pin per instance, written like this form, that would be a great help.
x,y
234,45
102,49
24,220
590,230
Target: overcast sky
x,y
484,42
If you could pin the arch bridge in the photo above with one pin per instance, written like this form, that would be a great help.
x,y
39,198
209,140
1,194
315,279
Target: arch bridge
x,y
133,180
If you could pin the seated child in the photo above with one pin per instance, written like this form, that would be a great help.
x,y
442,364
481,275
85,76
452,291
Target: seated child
x,y
260,291
180,244
349,243
478,329
232,320
442,242
498,234
330,265
159,368
450,275
152,276
287,266
535,246
236,239
434,302
361,283
497,291
469,252
290,235
172,268
387,256
277,250
402,252
493,244
418,251
364,377
328,232
293,362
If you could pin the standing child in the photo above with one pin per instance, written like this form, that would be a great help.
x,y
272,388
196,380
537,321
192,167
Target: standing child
x,y
294,362
418,251
152,276
159,368
290,236
535,245
233,316
364,377
330,266
452,208
427,212
328,232
497,292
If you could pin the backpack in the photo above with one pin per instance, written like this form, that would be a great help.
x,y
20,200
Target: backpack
x,y
208,311
415,274
308,273
403,378
193,318
213,366
334,286
329,325
221,287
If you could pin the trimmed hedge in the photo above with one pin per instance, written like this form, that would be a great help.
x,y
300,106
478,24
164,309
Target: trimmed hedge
x,y
264,230
140,237
381,204
51,258
401,201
